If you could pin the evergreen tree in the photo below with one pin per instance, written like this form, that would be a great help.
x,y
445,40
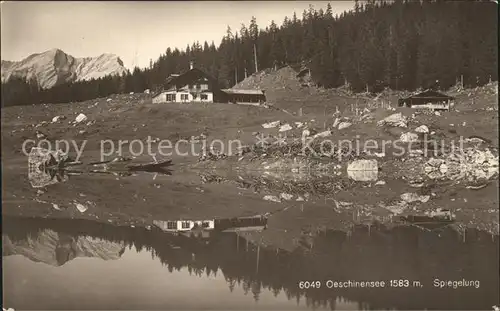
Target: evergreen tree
x,y
401,44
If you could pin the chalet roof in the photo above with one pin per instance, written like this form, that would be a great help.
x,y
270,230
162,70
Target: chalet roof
x,y
245,229
243,92
188,76
431,94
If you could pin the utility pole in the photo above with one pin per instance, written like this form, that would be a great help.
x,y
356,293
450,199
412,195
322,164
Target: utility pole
x,y
255,55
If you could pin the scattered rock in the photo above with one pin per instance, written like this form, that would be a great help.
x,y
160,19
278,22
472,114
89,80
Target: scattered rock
x,y
272,198
286,196
397,208
397,120
57,118
413,197
43,123
80,118
344,125
378,154
285,127
380,183
271,124
82,208
475,140
299,124
422,129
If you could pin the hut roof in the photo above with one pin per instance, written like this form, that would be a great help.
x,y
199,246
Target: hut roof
x,y
431,94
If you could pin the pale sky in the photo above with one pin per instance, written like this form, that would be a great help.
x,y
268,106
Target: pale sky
x,y
127,29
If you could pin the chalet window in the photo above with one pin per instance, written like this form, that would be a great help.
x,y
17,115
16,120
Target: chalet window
x,y
184,96
170,97
185,225
205,224
172,225
204,87
198,86
204,96
190,86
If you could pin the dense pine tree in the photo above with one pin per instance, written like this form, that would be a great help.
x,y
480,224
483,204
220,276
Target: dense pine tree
x,y
402,45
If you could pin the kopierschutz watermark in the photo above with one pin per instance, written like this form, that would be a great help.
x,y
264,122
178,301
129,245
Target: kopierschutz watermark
x,y
309,146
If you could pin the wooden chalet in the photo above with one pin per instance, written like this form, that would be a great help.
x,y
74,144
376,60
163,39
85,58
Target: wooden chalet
x,y
428,100
195,85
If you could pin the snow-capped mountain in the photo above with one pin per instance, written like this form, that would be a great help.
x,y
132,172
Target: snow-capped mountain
x,y
54,67
56,249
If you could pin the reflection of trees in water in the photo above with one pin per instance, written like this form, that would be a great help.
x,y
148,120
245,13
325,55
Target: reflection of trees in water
x,y
376,254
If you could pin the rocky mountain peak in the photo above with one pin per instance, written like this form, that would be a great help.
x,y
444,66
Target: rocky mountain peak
x,y
55,67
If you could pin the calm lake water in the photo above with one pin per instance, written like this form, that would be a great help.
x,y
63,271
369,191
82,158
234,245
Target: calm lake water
x,y
82,264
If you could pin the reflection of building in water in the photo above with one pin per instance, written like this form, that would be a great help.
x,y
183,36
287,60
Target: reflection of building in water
x,y
430,223
202,228
378,252
184,225
239,224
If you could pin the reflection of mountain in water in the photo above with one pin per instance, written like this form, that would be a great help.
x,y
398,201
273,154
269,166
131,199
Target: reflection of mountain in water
x,y
374,253
56,249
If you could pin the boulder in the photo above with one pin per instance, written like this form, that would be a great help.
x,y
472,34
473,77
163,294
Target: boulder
x,y
344,125
396,119
272,198
57,118
285,127
410,197
271,124
286,196
80,118
81,208
422,129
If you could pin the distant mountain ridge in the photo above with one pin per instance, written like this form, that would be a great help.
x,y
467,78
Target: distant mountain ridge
x,y
56,249
55,67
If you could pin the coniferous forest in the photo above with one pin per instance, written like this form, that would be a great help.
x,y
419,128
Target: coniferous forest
x,y
399,44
